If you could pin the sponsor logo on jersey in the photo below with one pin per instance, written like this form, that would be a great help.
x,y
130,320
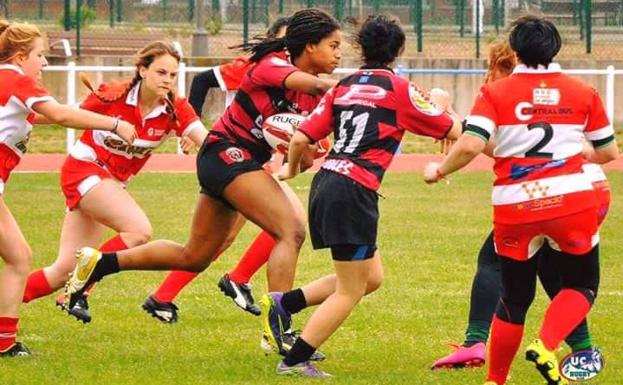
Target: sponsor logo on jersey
x,y
546,96
421,103
154,132
519,171
541,204
279,62
362,94
582,366
534,189
525,111
121,146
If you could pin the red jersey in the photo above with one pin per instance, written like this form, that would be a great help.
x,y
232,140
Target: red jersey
x,y
262,94
230,75
121,159
368,112
539,129
17,96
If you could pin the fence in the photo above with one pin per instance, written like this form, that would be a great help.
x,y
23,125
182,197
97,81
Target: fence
x,y
71,69
443,28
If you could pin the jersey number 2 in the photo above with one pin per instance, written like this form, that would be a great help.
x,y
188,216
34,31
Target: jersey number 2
x,y
353,127
548,134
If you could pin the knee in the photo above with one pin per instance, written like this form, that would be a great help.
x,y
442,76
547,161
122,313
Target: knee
x,y
512,312
195,263
295,233
374,282
139,236
21,261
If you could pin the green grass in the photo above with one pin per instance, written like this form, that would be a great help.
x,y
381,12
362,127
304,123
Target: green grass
x,y
429,238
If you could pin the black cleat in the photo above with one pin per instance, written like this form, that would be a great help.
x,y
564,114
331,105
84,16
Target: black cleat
x,y
163,311
80,310
240,293
17,350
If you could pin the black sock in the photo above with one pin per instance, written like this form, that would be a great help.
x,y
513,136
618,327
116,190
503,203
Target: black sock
x,y
293,301
107,265
300,352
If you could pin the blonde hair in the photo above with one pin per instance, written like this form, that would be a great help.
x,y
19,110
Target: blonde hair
x,y
501,58
16,38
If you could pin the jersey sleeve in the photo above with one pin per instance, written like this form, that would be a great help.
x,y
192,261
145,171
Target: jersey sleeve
x,y
598,129
31,91
229,75
481,121
272,71
186,117
418,115
319,124
93,103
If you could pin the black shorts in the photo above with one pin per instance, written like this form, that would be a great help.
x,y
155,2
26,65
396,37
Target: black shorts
x,y
219,162
341,212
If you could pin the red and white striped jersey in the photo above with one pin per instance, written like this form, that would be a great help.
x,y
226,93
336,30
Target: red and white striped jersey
x,y
540,118
17,96
121,159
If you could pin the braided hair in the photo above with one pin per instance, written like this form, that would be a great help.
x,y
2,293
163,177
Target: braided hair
x,y
305,26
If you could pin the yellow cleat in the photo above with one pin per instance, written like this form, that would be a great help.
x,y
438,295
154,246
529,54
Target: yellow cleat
x,y
79,279
546,363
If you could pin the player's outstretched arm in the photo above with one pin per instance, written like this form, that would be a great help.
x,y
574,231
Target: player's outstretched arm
x,y
71,117
464,151
310,84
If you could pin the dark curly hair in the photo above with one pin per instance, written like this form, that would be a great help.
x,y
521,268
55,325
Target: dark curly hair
x,y
380,40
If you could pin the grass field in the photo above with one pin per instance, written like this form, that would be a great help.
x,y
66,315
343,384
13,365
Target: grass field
x,y
429,237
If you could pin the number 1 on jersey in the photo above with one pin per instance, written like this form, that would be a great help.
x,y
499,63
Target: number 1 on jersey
x,y
356,127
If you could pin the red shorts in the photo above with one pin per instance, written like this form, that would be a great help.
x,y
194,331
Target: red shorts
x,y
8,161
573,234
78,177
602,189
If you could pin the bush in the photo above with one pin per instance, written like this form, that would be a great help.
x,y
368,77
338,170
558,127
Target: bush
x,y
87,17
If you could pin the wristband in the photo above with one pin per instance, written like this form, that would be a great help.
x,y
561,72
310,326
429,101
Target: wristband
x,y
115,125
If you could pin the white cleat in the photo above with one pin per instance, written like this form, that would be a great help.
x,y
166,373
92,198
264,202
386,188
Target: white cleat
x,y
79,278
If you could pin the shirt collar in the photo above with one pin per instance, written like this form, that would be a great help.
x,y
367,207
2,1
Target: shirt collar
x,y
132,100
12,67
551,69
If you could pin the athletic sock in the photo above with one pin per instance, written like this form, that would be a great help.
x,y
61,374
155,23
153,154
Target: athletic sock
x,y
108,264
8,332
477,331
37,286
173,284
580,338
113,244
301,351
253,259
503,346
293,301
563,314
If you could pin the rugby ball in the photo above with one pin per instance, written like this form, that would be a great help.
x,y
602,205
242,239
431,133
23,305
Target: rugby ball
x,y
279,128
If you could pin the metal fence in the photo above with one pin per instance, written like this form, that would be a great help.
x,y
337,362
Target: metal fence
x,y
439,28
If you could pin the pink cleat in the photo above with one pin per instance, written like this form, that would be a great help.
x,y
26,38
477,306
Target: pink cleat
x,y
462,357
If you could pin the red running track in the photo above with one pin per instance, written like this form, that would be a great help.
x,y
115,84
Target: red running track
x,y
186,163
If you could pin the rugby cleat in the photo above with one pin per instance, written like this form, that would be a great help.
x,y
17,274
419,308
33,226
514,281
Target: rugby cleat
x,y
240,293
304,369
16,350
462,357
80,278
546,363
163,311
288,338
276,321
80,310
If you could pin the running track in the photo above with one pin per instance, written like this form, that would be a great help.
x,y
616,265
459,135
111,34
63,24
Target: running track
x,y
186,163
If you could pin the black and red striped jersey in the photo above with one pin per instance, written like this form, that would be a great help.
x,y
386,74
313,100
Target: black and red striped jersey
x,y
368,112
260,95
